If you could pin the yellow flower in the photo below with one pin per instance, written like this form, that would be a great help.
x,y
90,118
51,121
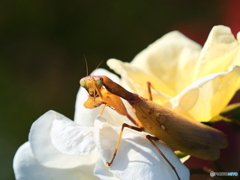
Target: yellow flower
x,y
195,81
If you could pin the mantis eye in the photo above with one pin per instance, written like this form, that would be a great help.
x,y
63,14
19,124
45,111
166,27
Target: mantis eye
x,y
83,83
99,82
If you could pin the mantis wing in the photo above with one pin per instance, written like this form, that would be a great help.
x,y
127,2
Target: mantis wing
x,y
180,132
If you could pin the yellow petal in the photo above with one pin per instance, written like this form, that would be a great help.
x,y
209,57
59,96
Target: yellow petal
x,y
208,96
135,80
171,59
238,37
220,52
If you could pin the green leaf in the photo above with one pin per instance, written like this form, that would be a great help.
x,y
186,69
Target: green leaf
x,y
230,114
180,154
232,107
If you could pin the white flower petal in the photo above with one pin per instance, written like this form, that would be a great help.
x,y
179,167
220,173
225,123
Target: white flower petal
x,y
43,149
26,167
208,96
136,157
70,138
115,119
84,116
103,172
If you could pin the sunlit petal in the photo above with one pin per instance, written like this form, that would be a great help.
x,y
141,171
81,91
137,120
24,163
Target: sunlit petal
x,y
136,157
116,119
172,59
43,149
220,51
70,138
102,171
26,167
135,80
208,96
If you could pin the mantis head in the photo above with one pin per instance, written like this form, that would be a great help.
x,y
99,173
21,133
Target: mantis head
x,y
92,84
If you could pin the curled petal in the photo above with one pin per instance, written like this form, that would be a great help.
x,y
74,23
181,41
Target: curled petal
x,y
26,167
43,149
85,116
136,157
70,138
220,52
208,96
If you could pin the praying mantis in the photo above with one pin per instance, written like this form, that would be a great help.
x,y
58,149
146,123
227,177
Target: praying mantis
x,y
176,130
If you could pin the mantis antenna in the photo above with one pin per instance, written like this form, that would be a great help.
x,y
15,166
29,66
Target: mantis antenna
x,y
85,59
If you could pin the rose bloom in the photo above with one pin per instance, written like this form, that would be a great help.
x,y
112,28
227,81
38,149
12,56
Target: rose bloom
x,y
194,81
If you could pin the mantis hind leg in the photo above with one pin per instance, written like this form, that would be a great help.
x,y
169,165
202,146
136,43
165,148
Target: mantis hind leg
x,y
120,137
151,139
149,86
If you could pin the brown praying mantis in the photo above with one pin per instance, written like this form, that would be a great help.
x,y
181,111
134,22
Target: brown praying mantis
x,y
176,130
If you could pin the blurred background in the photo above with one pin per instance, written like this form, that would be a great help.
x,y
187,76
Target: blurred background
x,y
43,43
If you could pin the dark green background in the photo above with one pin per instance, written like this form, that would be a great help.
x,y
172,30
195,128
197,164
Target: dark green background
x,y
42,44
